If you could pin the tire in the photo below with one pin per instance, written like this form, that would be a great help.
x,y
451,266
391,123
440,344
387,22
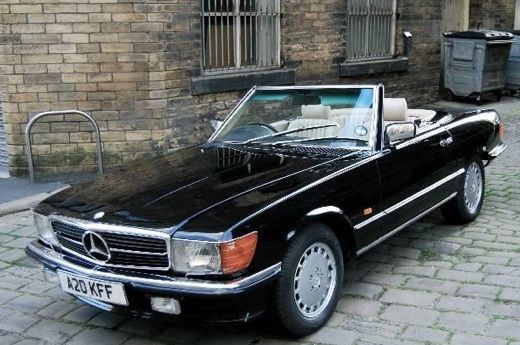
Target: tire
x,y
466,205
313,256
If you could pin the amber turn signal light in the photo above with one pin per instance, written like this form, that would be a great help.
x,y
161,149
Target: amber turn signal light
x,y
236,255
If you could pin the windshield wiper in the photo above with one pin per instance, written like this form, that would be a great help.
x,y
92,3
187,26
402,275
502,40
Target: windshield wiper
x,y
289,131
304,140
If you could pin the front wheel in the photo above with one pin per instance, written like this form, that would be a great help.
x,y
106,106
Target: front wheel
x,y
466,205
307,291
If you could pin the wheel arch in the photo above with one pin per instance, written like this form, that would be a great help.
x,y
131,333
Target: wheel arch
x,y
338,222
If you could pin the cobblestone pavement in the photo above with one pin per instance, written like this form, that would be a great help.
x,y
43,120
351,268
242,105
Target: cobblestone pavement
x,y
433,283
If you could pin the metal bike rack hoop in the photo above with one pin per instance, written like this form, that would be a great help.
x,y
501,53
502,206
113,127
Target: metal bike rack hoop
x,y
61,112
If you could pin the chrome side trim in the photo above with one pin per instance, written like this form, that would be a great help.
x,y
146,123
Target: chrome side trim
x,y
309,186
323,210
56,260
497,150
401,227
409,199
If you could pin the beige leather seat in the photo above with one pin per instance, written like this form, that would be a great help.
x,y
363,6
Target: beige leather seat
x,y
421,114
314,115
395,110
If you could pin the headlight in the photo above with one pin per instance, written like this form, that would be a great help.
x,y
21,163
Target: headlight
x,y
44,228
199,257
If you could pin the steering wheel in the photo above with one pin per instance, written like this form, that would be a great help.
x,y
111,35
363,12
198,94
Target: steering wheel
x,y
263,125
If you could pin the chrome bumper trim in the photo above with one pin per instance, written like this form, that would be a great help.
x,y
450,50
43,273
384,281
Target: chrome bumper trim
x,y
56,260
497,150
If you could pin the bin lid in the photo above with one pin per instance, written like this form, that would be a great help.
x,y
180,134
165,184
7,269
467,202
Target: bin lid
x,y
488,35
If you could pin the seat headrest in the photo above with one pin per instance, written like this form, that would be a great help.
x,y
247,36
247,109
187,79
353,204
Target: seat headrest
x,y
395,109
316,111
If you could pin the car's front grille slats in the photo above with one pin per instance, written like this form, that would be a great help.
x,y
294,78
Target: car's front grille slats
x,y
126,250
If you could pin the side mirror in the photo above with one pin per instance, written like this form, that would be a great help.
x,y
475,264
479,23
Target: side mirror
x,y
400,131
216,124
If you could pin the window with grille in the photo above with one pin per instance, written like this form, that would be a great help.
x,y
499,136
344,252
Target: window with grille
x,y
240,34
370,29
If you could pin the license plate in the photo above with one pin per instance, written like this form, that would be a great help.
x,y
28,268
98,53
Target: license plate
x,y
92,288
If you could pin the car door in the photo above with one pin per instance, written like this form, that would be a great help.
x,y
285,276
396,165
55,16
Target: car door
x,y
415,177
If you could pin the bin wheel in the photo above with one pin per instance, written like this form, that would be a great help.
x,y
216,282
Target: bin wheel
x,y
498,95
479,100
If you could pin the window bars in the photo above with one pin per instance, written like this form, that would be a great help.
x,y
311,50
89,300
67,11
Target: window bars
x,y
370,29
240,34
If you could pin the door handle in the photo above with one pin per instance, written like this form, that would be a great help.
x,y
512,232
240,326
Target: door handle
x,y
446,142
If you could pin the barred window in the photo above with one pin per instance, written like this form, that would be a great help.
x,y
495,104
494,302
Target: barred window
x,y
240,34
370,29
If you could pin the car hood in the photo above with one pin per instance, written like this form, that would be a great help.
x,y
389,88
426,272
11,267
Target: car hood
x,y
170,191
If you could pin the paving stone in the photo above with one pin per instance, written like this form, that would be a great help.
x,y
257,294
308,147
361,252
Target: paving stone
x,y
29,303
143,327
9,338
82,314
424,334
468,266
478,290
98,336
53,331
506,328
371,325
395,280
463,322
332,336
461,276
20,243
57,309
17,322
436,285
359,306
461,304
409,297
467,339
502,309
7,295
410,315
503,280
362,289
12,282
37,287
12,255
416,270
107,320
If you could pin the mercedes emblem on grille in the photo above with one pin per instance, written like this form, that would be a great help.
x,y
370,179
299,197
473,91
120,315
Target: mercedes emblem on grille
x,y
95,246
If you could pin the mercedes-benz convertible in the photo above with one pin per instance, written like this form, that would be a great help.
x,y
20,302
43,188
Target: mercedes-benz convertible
x,y
262,217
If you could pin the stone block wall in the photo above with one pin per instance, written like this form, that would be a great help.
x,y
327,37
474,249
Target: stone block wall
x,y
129,64
495,14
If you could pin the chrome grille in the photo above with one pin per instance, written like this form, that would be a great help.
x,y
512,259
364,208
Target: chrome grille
x,y
127,250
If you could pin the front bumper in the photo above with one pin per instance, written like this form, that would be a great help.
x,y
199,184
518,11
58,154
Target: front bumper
x,y
213,300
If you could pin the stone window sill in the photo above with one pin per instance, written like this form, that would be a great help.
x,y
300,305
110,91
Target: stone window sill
x,y
352,69
241,81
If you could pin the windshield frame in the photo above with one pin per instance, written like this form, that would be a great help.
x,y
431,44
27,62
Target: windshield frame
x,y
374,134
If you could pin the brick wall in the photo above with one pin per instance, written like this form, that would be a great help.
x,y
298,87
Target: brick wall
x,y
129,65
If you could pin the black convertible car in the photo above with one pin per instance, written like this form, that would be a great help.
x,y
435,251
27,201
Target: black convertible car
x,y
262,217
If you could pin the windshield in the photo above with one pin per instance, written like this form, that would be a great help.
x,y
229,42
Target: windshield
x,y
326,117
